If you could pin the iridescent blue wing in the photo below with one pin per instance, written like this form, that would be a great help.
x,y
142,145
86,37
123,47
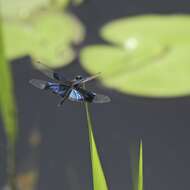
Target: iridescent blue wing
x,y
76,96
39,83
57,88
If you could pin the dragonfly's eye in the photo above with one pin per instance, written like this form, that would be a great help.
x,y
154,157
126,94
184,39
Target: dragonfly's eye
x,y
79,77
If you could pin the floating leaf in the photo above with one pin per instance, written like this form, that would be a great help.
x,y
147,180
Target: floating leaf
x,y
148,56
22,9
164,30
99,181
60,3
48,38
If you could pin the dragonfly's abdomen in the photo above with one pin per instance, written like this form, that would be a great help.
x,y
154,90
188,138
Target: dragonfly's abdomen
x,y
76,96
87,95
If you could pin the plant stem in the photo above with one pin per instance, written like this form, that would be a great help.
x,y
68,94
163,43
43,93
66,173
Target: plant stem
x,y
89,124
140,177
8,112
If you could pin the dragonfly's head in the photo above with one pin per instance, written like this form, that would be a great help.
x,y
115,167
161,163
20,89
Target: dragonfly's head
x,y
78,77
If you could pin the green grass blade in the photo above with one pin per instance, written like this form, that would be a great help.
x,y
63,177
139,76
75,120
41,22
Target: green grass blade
x,y
140,177
137,166
8,112
99,180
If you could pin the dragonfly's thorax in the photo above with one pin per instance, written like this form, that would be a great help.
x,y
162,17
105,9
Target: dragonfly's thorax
x,y
77,78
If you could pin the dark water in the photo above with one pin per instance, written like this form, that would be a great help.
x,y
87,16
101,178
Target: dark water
x,y
64,153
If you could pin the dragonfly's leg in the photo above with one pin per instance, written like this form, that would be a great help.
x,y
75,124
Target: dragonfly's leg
x,y
61,102
65,97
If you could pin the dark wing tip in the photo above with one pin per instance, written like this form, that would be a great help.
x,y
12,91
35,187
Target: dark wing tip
x,y
99,98
38,83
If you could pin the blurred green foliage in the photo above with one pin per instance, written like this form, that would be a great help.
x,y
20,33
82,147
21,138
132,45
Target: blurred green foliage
x,y
42,29
47,38
8,112
147,55
21,9
7,100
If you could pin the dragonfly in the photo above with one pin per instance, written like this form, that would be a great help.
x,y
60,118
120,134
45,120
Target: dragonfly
x,y
72,90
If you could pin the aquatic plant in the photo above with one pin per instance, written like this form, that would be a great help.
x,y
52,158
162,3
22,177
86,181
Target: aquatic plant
x,y
99,179
145,55
8,112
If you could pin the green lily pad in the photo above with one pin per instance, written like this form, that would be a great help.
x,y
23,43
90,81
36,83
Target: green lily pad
x,y
61,3
21,9
148,56
165,30
48,38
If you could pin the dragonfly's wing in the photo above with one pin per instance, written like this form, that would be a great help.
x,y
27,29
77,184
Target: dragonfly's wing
x,y
87,79
39,83
57,88
52,74
99,98
93,97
